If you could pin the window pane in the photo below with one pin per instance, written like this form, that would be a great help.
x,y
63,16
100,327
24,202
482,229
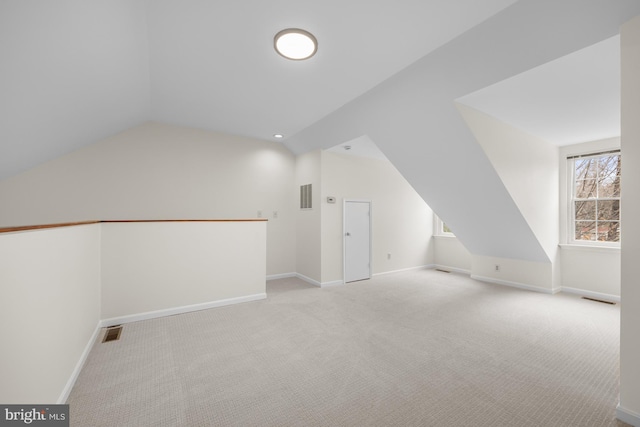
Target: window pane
x,y
609,187
585,230
609,210
586,168
445,228
609,176
586,210
608,231
608,165
586,188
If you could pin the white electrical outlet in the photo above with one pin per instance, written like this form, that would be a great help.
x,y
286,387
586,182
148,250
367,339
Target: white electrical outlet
x,y
259,214
275,214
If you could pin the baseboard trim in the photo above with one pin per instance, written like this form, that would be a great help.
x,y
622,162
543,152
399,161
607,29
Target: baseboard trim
x,y
313,282
66,391
341,282
591,294
309,280
421,267
331,284
280,276
452,269
179,310
628,416
514,284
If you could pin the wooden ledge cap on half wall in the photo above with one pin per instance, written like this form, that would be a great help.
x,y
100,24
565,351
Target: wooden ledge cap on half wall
x,y
72,224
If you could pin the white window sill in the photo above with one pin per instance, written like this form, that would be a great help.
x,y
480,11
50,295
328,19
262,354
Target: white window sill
x,y
444,236
590,248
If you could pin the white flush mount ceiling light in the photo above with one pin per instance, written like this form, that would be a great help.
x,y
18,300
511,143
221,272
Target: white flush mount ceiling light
x,y
278,135
295,44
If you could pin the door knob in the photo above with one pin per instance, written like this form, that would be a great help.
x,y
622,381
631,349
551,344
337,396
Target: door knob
x,y
347,234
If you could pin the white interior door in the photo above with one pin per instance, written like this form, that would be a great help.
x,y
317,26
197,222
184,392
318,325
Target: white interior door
x,y
357,240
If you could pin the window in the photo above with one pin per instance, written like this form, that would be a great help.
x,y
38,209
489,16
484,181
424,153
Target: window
x,y
595,198
441,228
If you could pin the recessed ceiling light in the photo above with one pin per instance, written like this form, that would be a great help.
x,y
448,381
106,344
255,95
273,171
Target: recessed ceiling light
x,y
296,44
278,135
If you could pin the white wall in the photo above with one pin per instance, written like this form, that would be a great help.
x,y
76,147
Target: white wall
x,y
49,309
402,223
629,409
537,276
158,171
591,271
308,225
528,168
148,267
451,255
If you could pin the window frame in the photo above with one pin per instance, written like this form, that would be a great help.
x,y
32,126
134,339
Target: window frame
x,y
439,227
572,199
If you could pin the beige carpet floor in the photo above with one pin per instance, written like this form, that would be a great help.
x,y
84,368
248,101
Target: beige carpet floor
x,y
421,348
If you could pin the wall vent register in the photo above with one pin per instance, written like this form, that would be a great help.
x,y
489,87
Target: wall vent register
x,y
305,196
113,333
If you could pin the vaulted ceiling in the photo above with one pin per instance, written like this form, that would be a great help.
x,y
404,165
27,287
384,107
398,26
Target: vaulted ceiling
x,y
74,71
